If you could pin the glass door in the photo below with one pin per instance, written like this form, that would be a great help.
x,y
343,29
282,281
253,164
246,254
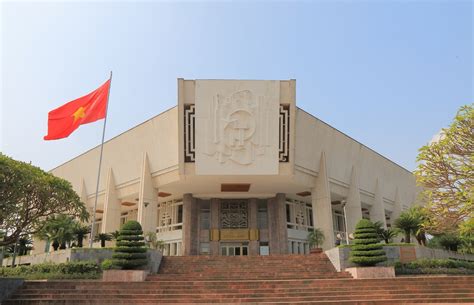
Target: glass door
x,y
234,249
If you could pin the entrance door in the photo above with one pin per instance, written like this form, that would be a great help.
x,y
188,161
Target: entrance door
x,y
234,249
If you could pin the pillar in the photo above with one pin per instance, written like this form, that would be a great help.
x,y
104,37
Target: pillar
x,y
147,199
377,212
112,206
278,236
353,205
253,243
214,227
321,204
83,195
190,225
397,206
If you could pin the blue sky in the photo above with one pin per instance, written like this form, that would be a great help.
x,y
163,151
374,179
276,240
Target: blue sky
x,y
390,74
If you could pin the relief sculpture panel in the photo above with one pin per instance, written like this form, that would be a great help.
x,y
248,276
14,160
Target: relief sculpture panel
x,y
237,127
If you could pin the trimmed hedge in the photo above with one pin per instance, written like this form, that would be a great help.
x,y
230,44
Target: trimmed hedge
x,y
130,251
70,270
366,251
435,266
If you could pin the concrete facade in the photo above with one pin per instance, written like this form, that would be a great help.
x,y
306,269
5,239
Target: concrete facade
x,y
236,200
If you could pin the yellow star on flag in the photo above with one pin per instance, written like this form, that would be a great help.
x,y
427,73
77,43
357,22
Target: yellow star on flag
x,y
79,114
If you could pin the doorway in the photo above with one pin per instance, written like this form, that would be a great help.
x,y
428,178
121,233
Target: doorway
x,y
234,249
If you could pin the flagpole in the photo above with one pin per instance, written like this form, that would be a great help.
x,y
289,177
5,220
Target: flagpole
x,y
91,240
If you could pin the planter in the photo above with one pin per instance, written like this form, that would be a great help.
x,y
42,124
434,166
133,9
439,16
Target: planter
x,y
316,250
371,272
124,275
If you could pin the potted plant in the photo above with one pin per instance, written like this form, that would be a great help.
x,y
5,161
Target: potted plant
x,y
316,239
367,252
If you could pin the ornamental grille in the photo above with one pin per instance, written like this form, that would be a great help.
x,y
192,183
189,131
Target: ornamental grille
x,y
234,214
284,134
189,133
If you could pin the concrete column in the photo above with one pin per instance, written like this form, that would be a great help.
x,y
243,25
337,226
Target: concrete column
x,y
377,212
112,206
214,244
90,209
278,236
321,204
397,207
253,208
280,201
147,199
83,195
190,225
353,206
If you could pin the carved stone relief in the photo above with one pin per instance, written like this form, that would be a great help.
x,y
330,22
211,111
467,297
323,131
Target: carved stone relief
x,y
237,127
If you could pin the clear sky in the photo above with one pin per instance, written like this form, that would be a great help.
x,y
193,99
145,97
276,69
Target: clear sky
x,y
390,74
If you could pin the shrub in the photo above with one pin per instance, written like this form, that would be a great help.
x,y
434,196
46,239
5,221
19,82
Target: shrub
x,y
70,270
316,238
107,264
129,252
435,266
366,250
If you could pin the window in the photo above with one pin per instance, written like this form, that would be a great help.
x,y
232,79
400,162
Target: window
x,y
204,249
180,213
262,214
205,215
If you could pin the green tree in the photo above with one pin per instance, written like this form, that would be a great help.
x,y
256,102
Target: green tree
x,y
366,249
153,242
466,234
103,237
115,234
81,231
59,229
449,241
316,238
446,173
28,195
386,235
411,222
130,251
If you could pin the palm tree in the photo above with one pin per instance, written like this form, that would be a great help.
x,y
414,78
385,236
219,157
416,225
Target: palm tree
x,y
115,234
103,237
81,231
59,229
316,238
385,234
153,242
408,224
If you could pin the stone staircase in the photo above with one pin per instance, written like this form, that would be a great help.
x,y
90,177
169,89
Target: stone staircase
x,y
279,279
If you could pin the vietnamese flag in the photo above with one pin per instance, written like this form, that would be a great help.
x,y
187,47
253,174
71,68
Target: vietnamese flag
x,y
64,120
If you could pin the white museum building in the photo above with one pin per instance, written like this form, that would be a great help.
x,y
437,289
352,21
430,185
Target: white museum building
x,y
236,168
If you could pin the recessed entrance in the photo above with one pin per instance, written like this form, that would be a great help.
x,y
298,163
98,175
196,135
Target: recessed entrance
x,y
234,249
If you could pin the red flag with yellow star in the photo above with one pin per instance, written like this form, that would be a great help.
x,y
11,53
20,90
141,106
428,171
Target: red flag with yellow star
x,y
64,120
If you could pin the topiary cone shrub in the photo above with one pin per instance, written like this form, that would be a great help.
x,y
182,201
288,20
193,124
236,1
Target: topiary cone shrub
x,y
130,251
366,249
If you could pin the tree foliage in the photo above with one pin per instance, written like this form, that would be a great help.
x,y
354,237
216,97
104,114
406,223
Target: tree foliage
x,y
386,235
412,222
446,172
366,251
81,231
28,195
103,237
130,251
59,229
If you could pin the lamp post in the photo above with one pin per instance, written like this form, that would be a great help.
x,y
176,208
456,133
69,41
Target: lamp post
x,y
344,202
